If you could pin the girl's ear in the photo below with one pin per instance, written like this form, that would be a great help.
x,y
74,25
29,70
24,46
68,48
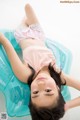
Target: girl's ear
x,y
58,88
66,106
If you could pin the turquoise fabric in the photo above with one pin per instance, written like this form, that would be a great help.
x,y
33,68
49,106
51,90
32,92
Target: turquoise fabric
x,y
17,94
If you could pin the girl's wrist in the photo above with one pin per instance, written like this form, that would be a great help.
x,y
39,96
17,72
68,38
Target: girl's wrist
x,y
67,107
63,77
2,37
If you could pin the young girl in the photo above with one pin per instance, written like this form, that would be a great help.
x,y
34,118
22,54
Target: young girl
x,y
39,70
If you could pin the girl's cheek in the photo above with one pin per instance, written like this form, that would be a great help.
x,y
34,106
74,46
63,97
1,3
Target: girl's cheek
x,y
52,85
33,86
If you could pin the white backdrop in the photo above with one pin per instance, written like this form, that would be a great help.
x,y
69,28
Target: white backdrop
x,y
60,21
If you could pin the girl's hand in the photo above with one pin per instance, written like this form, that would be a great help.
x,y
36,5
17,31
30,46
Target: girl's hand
x,y
56,68
1,34
1,37
60,72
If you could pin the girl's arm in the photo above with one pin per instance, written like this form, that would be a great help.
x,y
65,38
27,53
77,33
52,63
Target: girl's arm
x,y
21,71
72,103
75,84
72,83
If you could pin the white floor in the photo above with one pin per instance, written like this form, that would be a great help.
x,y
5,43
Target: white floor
x,y
60,21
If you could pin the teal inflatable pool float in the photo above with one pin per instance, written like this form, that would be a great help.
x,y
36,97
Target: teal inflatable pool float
x,y
17,94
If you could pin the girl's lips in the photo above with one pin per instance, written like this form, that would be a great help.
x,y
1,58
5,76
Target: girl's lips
x,y
41,78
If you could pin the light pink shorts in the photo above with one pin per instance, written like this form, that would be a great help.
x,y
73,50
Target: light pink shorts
x,y
34,31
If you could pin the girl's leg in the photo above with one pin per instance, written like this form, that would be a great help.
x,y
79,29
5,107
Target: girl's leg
x,y
31,17
24,22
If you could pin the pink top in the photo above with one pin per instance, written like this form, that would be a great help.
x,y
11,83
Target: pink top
x,y
38,57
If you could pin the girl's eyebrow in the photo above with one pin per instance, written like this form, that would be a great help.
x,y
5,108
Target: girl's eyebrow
x,y
45,95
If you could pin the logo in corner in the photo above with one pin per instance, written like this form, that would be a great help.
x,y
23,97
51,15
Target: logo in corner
x,y
3,116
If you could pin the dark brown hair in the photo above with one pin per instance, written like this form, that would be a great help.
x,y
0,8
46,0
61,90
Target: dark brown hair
x,y
42,113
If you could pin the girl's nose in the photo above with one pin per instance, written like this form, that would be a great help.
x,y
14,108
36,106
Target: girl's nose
x,y
41,84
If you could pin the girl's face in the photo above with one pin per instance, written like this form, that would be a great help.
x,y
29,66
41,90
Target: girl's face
x,y
44,91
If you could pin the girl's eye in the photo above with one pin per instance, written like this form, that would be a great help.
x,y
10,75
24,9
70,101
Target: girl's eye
x,y
48,90
35,92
